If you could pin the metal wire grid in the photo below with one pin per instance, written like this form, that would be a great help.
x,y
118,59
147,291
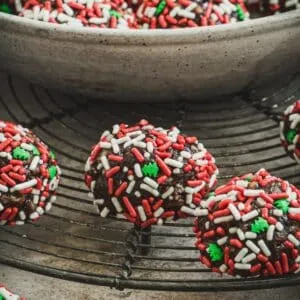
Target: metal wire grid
x,y
73,243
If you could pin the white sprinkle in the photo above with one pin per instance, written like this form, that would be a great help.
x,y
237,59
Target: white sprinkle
x,y
105,162
149,189
176,171
297,259
53,184
277,212
123,139
160,221
241,254
18,5
134,133
39,210
116,129
87,166
264,247
1,207
22,215
261,202
104,212
2,137
137,170
223,219
120,216
243,183
89,3
174,11
130,187
105,145
189,190
186,154
150,147
252,193
233,230
201,162
52,199
223,268
188,198
99,166
3,188
19,223
68,10
2,125
200,212
151,182
186,14
240,234
188,210
36,199
116,204
26,146
158,212
147,155
212,180
252,246
222,241
270,233
48,206
142,213
34,215
248,258
92,186
198,155
137,194
34,163
293,210
252,214
279,226
236,214
242,266
115,146
206,225
173,163
24,185
168,192
294,240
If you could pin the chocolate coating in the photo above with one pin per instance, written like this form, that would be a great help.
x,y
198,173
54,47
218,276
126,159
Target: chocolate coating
x,y
149,174
29,175
252,228
290,131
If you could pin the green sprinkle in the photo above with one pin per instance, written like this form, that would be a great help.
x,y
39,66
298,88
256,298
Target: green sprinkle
x,y
259,225
249,178
211,194
52,155
161,6
52,172
282,204
35,151
240,13
6,9
2,297
291,135
150,169
114,13
20,153
215,252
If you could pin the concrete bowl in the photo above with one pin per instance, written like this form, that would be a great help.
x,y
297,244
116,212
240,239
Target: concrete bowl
x,y
153,65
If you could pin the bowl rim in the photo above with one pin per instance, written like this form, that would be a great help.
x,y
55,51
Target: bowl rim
x,y
259,26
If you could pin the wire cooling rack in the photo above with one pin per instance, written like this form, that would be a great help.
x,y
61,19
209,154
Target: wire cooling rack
x,y
73,243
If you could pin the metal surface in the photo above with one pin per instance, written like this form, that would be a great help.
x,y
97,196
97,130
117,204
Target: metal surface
x,y
73,243
153,65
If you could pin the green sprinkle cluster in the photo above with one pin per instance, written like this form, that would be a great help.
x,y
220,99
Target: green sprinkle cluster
x,y
161,6
215,252
150,169
240,13
291,135
20,153
282,204
259,225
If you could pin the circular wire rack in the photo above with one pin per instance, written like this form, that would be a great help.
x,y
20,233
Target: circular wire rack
x,y
72,242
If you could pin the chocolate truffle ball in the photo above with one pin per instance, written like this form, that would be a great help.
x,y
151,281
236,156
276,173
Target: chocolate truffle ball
x,y
290,131
147,174
252,228
29,175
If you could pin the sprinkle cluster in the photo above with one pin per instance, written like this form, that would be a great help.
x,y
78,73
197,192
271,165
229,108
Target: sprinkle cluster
x,y
147,174
290,131
269,7
6,294
29,175
124,14
253,227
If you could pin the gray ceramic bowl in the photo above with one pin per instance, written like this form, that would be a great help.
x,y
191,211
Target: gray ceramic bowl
x,y
152,65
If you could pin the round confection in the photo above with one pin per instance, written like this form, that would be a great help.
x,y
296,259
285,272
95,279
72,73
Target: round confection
x,y
253,227
147,174
290,131
29,175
